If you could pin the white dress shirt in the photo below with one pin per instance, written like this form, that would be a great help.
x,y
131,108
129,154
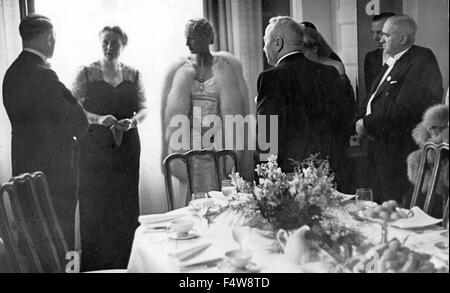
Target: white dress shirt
x,y
390,62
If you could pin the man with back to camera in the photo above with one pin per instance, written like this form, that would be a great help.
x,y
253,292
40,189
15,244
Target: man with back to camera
x,y
303,95
45,118
409,83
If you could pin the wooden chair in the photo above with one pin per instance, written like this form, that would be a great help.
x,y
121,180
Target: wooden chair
x,y
191,165
445,217
46,248
437,151
21,253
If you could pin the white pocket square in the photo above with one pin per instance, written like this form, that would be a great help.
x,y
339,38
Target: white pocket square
x,y
393,82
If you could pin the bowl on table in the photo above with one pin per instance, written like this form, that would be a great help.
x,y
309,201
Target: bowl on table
x,y
181,226
239,258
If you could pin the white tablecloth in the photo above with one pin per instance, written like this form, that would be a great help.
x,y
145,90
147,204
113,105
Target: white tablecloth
x,y
151,250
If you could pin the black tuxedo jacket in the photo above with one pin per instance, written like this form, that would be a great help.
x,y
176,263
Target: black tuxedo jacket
x,y
305,96
413,85
44,118
372,66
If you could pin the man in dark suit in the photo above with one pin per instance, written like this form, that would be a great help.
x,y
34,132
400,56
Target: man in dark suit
x,y
375,59
302,94
45,118
409,83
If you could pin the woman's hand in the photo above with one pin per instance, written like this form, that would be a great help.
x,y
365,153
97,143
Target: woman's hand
x,y
107,120
126,124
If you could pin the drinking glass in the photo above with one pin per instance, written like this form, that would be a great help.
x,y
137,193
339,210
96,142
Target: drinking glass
x,y
199,208
227,188
364,194
241,234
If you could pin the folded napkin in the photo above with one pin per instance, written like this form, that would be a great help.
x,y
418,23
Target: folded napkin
x,y
117,134
345,197
159,218
217,195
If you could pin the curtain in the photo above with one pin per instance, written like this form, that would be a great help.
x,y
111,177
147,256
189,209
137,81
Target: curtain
x,y
26,7
10,47
238,27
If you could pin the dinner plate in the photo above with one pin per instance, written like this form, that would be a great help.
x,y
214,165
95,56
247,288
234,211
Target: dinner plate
x,y
419,220
221,203
190,235
410,214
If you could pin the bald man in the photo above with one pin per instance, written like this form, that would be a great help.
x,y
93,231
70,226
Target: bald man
x,y
302,95
409,83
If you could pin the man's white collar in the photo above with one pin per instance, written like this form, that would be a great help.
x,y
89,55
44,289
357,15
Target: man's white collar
x,y
36,53
287,55
392,60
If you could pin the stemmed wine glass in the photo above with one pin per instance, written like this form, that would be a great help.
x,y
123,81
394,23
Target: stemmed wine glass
x,y
241,234
198,206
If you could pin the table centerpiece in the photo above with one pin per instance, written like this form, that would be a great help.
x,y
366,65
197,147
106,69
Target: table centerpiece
x,y
306,197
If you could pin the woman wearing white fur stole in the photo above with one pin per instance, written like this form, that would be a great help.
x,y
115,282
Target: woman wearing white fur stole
x,y
210,84
433,128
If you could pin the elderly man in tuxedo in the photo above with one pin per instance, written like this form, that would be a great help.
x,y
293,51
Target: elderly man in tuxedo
x,y
303,95
409,83
375,59
45,118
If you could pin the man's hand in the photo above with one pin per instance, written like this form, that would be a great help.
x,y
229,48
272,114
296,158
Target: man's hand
x,y
107,120
125,124
360,128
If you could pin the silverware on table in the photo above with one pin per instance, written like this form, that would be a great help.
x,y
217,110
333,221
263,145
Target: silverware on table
x,y
202,265
156,229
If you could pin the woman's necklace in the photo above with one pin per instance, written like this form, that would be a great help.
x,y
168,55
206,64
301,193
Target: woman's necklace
x,y
201,73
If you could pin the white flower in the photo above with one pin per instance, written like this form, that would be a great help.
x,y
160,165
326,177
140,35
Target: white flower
x,y
258,193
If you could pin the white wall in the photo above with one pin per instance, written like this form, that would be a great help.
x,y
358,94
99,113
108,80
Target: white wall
x,y
318,12
10,47
432,17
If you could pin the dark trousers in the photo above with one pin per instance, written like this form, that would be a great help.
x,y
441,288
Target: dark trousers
x,y
387,174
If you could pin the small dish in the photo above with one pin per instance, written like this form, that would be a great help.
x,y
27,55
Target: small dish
x,y
238,258
184,236
226,267
181,226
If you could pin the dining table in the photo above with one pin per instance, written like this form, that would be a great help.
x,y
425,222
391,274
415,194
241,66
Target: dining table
x,y
156,250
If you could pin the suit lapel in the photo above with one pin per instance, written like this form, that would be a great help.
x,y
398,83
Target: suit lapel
x,y
377,80
398,68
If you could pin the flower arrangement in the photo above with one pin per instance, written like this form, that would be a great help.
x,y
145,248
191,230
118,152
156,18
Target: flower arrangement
x,y
290,201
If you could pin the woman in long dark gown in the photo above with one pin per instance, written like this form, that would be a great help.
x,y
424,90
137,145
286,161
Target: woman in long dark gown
x,y
113,98
316,49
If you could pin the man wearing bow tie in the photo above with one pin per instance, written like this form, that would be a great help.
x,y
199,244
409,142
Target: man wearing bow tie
x,y
408,84
45,118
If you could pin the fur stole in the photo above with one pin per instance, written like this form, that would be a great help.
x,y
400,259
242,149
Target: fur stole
x,y
234,98
433,128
